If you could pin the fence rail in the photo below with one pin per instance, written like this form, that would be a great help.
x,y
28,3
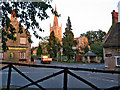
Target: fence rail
x,y
65,71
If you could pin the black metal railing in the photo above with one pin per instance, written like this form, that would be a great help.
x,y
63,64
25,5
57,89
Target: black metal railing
x,y
65,71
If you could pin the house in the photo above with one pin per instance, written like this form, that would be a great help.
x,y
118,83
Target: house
x,y
1,53
19,50
111,45
82,43
90,57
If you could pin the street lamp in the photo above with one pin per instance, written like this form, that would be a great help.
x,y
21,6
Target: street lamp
x,y
61,52
74,48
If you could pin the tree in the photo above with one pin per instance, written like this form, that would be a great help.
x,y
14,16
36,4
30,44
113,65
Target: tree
x,y
68,40
86,49
32,50
97,48
39,50
94,36
27,13
44,39
53,45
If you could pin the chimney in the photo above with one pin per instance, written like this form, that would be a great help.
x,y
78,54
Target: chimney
x,y
119,11
114,17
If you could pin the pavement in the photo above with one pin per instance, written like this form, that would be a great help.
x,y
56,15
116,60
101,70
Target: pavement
x,y
76,65
101,80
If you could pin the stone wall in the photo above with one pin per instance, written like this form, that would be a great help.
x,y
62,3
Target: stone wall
x,y
110,60
111,63
114,52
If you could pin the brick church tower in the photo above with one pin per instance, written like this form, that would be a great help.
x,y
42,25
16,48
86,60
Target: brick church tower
x,y
57,30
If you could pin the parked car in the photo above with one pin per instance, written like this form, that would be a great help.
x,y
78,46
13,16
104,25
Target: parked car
x,y
54,59
46,59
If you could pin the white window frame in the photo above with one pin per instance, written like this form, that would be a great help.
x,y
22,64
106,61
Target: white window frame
x,y
116,60
22,55
1,55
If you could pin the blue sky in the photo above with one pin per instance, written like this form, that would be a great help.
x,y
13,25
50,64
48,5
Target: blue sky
x,y
85,15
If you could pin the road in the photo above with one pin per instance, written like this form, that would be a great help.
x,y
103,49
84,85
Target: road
x,y
101,80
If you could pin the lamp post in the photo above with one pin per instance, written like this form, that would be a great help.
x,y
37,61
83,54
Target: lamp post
x,y
74,48
61,53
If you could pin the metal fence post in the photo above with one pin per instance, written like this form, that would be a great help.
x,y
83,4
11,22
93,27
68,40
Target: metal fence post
x,y
65,79
9,77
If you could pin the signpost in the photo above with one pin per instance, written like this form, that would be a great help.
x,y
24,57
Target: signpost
x,y
74,48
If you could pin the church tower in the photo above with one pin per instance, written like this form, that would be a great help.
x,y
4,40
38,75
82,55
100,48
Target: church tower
x,y
57,30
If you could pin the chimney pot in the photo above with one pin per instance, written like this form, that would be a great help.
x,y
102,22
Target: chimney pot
x,y
114,17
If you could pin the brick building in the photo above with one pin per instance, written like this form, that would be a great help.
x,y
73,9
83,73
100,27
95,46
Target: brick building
x,y
1,53
111,45
19,50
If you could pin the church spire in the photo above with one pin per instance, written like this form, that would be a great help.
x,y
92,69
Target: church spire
x,y
55,18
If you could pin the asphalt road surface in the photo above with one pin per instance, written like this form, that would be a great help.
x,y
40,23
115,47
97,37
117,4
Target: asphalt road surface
x,y
101,80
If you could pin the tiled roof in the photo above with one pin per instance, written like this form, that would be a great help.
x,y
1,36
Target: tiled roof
x,y
112,40
90,53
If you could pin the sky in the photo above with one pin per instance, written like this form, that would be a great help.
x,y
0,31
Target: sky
x,y
85,15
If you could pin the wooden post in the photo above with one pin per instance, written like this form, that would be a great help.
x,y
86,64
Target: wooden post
x,y
65,79
88,59
9,77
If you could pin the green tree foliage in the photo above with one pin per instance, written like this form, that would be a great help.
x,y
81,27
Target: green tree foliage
x,y
44,42
94,36
32,50
39,50
26,12
68,40
44,39
97,48
53,45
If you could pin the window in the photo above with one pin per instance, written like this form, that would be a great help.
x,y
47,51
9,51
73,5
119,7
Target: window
x,y
117,60
22,40
1,55
11,55
22,55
